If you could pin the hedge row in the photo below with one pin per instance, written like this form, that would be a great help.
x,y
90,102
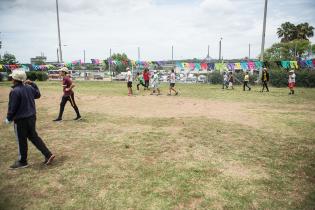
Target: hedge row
x,y
278,78
37,75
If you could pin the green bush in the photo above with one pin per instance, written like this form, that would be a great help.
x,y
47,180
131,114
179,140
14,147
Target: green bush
x,y
37,75
304,78
217,77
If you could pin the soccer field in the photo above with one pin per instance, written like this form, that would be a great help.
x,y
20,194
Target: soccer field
x,y
207,148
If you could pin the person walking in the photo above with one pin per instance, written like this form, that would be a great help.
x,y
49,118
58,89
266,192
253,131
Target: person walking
x,y
246,82
172,83
231,80
265,80
291,82
68,95
225,81
129,82
146,78
22,111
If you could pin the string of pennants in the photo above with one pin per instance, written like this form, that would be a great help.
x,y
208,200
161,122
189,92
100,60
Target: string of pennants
x,y
243,65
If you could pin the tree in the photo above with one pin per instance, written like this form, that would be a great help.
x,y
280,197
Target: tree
x,y
304,31
289,32
288,50
8,59
123,58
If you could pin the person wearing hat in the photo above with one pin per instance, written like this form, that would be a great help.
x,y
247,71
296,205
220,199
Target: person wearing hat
x,y
291,82
68,94
22,111
129,82
265,79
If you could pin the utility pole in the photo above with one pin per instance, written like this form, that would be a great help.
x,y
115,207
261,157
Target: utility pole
x,y
208,55
0,45
173,55
84,57
138,58
220,48
249,51
57,55
110,64
264,32
59,38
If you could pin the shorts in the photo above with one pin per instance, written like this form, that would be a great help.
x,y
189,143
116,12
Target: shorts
x,y
291,85
129,84
172,85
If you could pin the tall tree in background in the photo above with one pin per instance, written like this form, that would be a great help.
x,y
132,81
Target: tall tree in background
x,y
304,31
123,58
289,32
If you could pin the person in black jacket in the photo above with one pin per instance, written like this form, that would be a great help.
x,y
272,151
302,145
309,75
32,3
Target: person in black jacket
x,y
265,79
22,111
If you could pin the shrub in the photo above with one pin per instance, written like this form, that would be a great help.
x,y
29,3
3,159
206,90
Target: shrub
x,y
1,77
37,75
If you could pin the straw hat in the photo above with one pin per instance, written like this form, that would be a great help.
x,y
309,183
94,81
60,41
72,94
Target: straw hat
x,y
18,75
64,69
291,71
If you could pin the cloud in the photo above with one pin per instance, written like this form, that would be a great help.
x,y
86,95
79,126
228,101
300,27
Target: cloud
x,y
29,27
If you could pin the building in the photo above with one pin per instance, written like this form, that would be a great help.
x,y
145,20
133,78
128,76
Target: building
x,y
39,60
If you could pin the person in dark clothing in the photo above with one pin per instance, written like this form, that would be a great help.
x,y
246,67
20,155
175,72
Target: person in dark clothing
x,y
68,95
22,111
265,80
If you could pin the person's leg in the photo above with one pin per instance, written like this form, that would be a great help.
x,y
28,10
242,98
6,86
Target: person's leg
x,y
74,105
263,86
138,87
62,106
244,84
267,86
36,140
21,133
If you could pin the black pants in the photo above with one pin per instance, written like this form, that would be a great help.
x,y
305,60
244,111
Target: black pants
x,y
246,85
265,84
72,102
146,83
26,129
225,84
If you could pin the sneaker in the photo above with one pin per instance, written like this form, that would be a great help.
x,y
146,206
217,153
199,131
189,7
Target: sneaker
x,y
78,118
57,120
250,89
176,93
169,94
49,160
18,165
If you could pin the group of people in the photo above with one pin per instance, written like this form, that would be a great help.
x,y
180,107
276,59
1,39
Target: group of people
x,y
22,112
147,78
229,79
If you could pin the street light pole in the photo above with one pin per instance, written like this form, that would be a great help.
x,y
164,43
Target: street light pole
x,y
264,32
220,46
110,64
172,55
84,57
249,51
60,51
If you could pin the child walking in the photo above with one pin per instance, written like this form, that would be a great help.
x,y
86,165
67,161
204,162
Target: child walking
x,y
225,80
291,82
129,82
172,83
246,81
265,80
155,84
231,80
140,81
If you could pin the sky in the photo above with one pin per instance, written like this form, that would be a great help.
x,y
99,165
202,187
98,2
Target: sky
x,y
29,27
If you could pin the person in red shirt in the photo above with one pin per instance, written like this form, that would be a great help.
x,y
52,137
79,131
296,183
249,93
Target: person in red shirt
x,y
146,78
68,95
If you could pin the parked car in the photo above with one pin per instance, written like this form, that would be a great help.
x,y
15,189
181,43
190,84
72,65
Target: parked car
x,y
121,77
191,80
202,79
98,77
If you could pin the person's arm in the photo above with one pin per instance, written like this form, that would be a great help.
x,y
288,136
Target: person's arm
x,y
35,89
14,104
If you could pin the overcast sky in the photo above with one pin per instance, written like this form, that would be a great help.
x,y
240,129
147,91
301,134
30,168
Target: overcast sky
x,y
28,27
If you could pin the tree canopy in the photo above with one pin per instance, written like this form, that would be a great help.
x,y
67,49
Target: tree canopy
x,y
289,32
8,59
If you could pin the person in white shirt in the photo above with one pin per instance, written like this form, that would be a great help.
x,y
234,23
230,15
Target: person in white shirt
x,y
172,83
155,84
225,80
291,82
129,81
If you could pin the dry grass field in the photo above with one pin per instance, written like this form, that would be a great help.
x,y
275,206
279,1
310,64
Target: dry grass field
x,y
204,149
